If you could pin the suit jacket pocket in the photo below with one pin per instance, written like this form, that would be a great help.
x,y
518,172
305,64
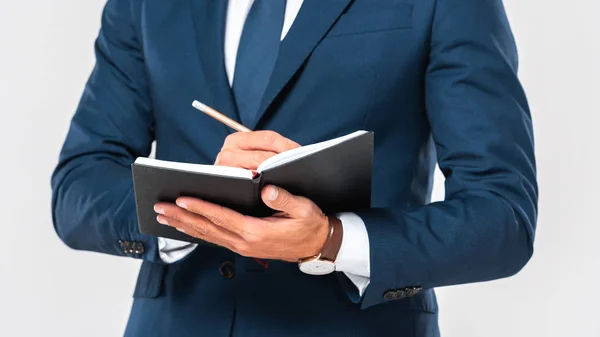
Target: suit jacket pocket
x,y
150,280
360,21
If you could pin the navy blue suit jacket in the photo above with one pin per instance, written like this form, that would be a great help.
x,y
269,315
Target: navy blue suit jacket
x,y
436,80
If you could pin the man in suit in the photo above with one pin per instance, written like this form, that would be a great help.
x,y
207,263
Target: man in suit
x,y
436,80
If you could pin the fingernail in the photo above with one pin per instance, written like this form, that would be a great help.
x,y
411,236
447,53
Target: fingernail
x,y
159,210
181,204
272,194
161,220
179,229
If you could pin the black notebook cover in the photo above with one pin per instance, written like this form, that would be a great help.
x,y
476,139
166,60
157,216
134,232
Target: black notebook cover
x,y
337,179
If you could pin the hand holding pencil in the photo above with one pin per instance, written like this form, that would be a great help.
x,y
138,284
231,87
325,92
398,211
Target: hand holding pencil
x,y
246,148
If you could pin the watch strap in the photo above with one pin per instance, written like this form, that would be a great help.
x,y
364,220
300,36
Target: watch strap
x,y
332,245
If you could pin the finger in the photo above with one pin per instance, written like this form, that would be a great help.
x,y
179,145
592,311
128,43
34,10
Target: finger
x,y
197,223
241,158
218,215
263,140
281,200
201,232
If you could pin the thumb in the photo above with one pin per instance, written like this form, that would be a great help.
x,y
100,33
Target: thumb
x,y
281,200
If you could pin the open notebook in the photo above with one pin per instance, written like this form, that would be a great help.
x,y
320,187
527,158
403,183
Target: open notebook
x,y
335,174
273,162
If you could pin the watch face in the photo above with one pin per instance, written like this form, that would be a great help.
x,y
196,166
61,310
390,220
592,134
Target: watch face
x,y
317,267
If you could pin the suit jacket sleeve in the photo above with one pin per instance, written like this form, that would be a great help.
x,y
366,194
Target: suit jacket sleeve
x,y
482,131
92,191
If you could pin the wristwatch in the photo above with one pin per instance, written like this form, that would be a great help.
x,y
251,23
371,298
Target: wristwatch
x,y
324,262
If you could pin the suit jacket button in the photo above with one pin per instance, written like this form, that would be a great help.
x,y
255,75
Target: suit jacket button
x,y
227,269
412,291
125,246
138,248
389,295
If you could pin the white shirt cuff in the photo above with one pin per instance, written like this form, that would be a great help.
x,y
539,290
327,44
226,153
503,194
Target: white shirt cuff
x,y
171,251
354,256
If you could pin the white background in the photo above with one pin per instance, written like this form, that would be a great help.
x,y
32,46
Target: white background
x,y
48,290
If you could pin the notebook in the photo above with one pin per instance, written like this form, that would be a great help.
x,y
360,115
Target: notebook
x,y
335,174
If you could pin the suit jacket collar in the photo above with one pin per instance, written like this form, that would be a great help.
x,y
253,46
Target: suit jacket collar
x,y
209,18
314,20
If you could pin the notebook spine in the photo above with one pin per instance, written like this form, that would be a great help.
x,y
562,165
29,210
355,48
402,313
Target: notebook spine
x,y
257,180
261,209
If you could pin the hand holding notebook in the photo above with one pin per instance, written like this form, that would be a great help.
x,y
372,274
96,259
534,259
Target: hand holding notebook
x,y
335,175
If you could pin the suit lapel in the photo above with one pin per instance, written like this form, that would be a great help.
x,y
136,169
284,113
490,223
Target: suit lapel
x,y
209,22
314,20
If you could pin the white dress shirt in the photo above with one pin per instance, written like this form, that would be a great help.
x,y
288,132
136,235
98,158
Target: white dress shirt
x,y
353,257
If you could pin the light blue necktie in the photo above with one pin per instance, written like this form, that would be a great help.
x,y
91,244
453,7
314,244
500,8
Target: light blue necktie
x,y
256,56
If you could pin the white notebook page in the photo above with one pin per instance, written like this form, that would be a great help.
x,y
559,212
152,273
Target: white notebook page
x,y
225,171
291,155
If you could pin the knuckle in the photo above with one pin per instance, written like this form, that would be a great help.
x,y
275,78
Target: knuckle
x,y
230,139
193,208
202,229
225,157
284,199
305,212
213,218
219,159
253,238
175,215
289,144
269,137
217,219
242,248
253,235
258,157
